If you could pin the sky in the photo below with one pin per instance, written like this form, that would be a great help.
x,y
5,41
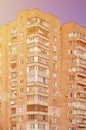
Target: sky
x,y
66,10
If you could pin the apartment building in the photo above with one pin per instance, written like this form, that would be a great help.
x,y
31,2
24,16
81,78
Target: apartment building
x,y
33,49
4,78
73,76
42,73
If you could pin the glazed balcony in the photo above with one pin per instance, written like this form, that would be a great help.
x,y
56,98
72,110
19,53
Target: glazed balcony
x,y
38,43
12,43
38,125
80,105
37,73
38,92
81,113
36,25
44,55
13,34
81,125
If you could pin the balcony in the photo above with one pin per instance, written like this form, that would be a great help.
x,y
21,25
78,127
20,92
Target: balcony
x,y
81,74
81,90
13,123
37,125
81,125
44,55
81,113
37,78
13,34
33,102
37,73
81,65
81,39
12,43
37,112
81,99
83,56
13,69
36,25
81,48
38,93
81,82
81,105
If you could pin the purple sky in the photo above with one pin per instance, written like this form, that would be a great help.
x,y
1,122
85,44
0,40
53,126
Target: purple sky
x,y
66,10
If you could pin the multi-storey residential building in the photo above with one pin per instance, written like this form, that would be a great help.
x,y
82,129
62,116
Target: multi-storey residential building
x,y
42,68
73,76
4,104
33,49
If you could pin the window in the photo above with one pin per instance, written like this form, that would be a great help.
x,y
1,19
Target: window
x,y
55,65
54,56
0,54
54,119
21,109
72,60
54,74
21,90
72,95
54,84
54,29
71,34
21,81
0,71
21,99
21,34
72,121
72,112
21,24
0,38
21,118
54,48
71,128
71,77
54,38
21,71
54,92
71,42
72,69
35,59
21,61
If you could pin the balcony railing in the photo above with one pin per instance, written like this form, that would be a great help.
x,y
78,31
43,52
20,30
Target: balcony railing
x,y
81,99
81,82
37,102
81,48
81,74
81,39
83,125
81,65
37,112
